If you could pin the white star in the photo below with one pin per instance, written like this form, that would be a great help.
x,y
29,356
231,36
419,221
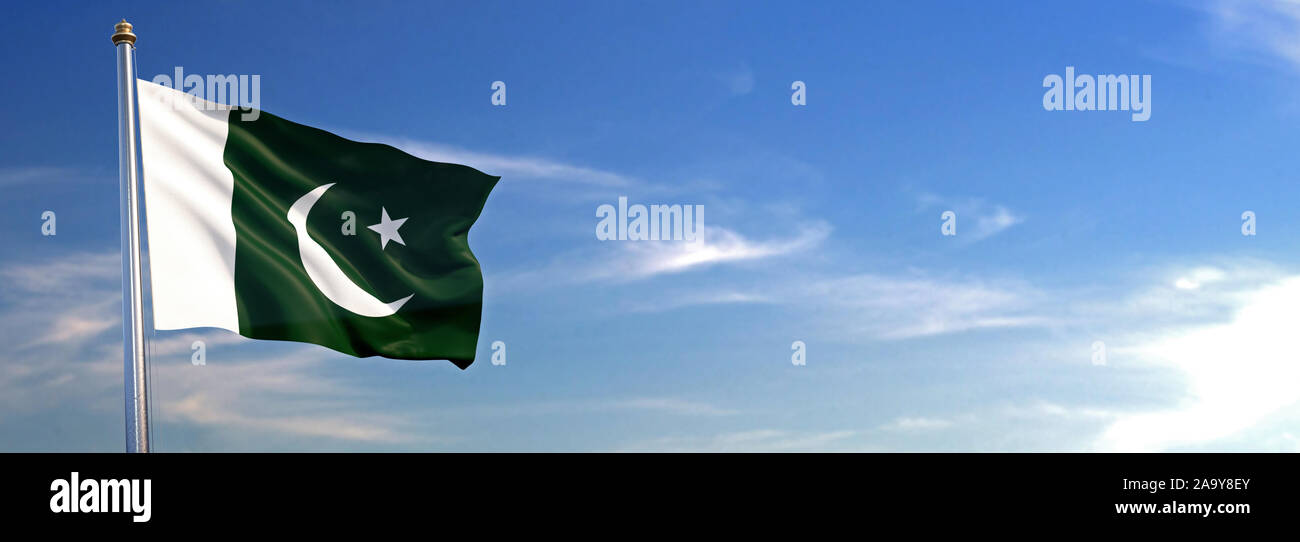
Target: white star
x,y
387,229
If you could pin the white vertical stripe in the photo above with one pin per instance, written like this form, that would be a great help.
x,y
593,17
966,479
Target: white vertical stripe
x,y
188,192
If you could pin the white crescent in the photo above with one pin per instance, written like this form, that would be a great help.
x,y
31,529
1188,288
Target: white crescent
x,y
326,274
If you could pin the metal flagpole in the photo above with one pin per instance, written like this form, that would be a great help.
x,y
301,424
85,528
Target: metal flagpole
x,y
135,378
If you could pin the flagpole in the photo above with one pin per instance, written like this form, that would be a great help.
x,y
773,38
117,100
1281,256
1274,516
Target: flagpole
x,y
135,377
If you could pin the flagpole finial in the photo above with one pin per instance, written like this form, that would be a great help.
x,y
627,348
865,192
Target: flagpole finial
x,y
123,33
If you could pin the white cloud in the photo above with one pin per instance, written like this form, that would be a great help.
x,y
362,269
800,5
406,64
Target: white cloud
x,y
1237,373
70,315
757,440
627,261
87,321
1198,277
11,176
874,306
60,323
999,219
976,219
54,276
693,299
917,424
643,259
166,343
1171,298
672,405
507,167
900,307
62,320
1044,409
277,394
1270,27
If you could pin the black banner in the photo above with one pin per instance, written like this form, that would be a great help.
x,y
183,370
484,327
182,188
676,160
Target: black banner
x,y
309,492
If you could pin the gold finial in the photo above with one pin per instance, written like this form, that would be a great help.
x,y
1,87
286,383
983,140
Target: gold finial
x,y
123,33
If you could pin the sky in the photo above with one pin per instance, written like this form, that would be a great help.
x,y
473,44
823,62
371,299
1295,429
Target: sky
x,y
1099,293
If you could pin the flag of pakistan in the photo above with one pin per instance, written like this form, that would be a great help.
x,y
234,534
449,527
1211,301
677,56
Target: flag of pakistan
x,y
275,230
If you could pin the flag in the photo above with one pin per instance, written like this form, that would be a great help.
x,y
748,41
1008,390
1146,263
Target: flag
x,y
276,230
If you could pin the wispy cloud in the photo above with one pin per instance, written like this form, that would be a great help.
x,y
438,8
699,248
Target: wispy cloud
x,y
13,176
738,81
698,298
508,167
977,219
61,321
1270,27
1173,297
61,318
628,261
719,245
652,405
274,394
204,410
671,405
882,306
1046,409
869,307
756,440
41,290
54,276
917,424
1223,330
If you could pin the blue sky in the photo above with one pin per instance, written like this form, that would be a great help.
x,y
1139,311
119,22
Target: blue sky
x,y
823,227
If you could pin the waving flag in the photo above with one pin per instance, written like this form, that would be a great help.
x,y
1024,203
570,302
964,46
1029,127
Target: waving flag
x,y
275,230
